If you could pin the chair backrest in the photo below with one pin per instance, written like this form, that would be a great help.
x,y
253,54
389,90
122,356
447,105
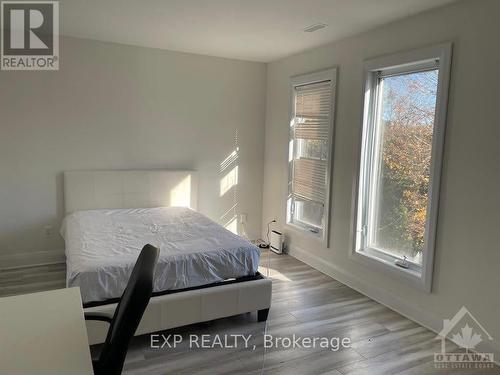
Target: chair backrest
x,y
128,313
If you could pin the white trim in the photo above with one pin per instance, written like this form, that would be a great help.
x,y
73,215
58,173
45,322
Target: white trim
x,y
421,316
380,295
407,58
31,259
290,227
304,79
329,74
441,55
385,266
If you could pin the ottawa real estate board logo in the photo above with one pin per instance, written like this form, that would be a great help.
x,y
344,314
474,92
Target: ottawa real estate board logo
x,y
30,35
465,331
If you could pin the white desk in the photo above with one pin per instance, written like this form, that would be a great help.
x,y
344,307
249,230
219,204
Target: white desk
x,y
44,333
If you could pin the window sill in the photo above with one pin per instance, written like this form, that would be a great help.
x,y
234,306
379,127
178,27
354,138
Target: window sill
x,y
411,276
305,231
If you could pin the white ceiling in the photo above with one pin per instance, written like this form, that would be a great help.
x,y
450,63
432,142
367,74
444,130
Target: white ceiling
x,y
257,30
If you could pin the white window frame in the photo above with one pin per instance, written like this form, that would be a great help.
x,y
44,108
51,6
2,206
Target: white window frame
x,y
416,60
300,80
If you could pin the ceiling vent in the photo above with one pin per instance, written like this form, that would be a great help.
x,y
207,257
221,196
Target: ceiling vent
x,y
315,27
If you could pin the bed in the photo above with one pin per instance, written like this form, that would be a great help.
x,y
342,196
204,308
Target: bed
x,y
204,271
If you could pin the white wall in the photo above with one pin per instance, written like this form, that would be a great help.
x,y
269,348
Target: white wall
x,y
112,106
467,252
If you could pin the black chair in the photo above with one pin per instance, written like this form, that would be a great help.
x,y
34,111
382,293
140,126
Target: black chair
x,y
127,315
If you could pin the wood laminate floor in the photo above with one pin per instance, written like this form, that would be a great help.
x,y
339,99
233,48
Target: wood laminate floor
x,y
306,303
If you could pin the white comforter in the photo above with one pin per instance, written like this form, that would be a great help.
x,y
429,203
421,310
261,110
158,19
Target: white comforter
x,y
102,247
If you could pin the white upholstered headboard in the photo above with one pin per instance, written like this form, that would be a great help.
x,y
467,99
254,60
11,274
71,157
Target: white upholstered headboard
x,y
87,190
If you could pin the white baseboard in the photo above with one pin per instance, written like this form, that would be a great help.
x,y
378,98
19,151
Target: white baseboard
x,y
420,316
35,258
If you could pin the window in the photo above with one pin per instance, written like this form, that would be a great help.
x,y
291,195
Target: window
x,y
400,164
311,132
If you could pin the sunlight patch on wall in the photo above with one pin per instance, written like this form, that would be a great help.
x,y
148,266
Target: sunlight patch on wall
x,y
229,213
229,160
228,188
232,225
228,181
180,195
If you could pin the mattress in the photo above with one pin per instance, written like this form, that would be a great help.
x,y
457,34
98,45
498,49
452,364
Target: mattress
x,y
103,245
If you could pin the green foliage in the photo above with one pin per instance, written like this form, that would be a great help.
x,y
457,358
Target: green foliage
x,y
408,118
405,184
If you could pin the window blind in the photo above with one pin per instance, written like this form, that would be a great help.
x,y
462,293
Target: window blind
x,y
310,133
309,179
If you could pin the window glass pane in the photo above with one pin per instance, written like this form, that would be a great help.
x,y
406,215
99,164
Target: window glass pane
x,y
311,149
401,164
308,214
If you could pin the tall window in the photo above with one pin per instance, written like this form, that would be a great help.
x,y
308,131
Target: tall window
x,y
400,160
311,131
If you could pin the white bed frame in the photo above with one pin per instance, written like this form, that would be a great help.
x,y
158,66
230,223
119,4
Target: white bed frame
x,y
85,190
